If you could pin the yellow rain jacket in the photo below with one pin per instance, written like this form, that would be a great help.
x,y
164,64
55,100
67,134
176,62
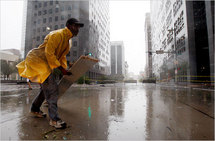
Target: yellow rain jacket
x,y
40,61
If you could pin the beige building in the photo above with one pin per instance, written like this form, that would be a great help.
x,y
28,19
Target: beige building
x,y
10,55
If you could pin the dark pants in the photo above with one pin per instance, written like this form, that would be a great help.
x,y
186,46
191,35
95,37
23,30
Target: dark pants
x,y
48,91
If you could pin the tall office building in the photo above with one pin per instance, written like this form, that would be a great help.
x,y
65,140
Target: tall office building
x,y
45,16
23,28
148,46
117,59
185,29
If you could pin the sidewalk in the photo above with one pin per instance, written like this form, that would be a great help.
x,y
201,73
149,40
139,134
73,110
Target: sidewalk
x,y
22,86
193,86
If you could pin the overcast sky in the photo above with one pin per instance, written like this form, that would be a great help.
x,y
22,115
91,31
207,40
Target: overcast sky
x,y
127,25
127,20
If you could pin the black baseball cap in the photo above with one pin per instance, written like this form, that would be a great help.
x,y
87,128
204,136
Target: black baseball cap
x,y
74,21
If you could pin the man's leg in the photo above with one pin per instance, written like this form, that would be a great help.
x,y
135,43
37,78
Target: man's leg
x,y
37,102
50,90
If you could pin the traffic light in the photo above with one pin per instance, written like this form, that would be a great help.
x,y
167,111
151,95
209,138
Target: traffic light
x,y
90,54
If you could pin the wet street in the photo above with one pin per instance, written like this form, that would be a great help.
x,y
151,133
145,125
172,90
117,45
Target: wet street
x,y
113,112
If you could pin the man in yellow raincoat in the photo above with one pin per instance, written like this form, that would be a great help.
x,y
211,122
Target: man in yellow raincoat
x,y
40,63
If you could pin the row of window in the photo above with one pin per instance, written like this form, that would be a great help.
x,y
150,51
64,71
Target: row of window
x,y
43,29
181,50
180,42
179,23
176,6
50,11
50,19
169,19
169,37
45,4
168,4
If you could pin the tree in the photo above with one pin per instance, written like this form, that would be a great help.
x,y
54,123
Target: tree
x,y
7,68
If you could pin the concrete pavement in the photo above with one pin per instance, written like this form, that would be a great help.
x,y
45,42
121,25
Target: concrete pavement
x,y
113,112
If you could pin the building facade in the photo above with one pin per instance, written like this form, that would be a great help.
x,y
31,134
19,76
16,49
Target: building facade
x,y
46,16
148,46
184,30
117,59
11,57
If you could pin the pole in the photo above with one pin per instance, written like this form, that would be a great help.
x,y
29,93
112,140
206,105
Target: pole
x,y
176,61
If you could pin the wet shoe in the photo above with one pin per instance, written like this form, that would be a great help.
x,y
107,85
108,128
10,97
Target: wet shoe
x,y
58,124
39,114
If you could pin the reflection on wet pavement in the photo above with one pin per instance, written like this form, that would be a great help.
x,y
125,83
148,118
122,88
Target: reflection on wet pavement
x,y
134,112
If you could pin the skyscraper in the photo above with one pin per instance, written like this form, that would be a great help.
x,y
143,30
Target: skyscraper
x,y
117,59
184,30
148,46
45,16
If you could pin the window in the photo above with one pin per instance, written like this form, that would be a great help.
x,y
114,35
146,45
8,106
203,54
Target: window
x,y
39,21
40,5
50,11
44,29
69,8
35,22
38,29
69,16
74,53
45,4
39,13
62,8
44,20
75,43
35,14
56,2
43,37
38,38
56,27
62,17
56,10
44,12
62,25
50,19
35,6
56,18
51,2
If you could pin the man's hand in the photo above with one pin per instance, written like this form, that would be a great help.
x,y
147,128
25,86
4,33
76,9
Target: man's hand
x,y
64,71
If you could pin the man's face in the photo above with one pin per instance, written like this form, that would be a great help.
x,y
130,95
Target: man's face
x,y
74,28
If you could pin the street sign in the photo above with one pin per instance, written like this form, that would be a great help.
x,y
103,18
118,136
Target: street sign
x,y
159,52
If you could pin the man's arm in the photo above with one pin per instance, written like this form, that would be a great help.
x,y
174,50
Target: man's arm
x,y
52,43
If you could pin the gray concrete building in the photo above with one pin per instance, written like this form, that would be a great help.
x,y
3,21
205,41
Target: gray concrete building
x,y
117,59
148,46
185,31
45,16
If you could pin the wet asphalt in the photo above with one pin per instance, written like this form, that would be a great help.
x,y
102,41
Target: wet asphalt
x,y
113,112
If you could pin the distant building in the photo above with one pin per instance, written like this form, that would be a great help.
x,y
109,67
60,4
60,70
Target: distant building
x,y
126,70
185,29
117,59
148,46
45,16
10,55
